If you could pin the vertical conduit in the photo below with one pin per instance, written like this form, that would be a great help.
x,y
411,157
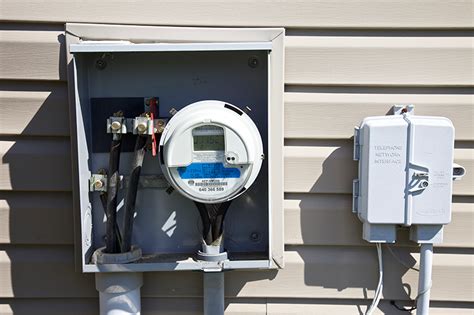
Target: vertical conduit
x,y
424,281
119,293
213,293
212,216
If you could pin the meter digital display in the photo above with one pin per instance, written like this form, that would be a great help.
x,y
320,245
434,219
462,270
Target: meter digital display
x,y
208,138
211,151
209,143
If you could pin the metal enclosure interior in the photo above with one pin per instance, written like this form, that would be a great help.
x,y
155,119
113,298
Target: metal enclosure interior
x,y
167,226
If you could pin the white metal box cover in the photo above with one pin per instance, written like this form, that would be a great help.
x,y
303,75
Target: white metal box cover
x,y
180,66
405,173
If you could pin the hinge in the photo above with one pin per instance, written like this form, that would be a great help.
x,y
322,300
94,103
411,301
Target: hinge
x,y
355,196
356,151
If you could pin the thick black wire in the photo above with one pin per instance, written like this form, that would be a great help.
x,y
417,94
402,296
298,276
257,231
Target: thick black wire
x,y
212,216
131,193
113,181
218,223
206,222
103,200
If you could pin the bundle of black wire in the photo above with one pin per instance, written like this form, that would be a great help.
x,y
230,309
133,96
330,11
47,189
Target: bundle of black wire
x,y
132,189
116,242
212,217
113,181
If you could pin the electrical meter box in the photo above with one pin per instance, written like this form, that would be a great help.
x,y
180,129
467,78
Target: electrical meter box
x,y
226,86
405,176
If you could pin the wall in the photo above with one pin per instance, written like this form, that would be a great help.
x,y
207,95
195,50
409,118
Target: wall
x,y
344,60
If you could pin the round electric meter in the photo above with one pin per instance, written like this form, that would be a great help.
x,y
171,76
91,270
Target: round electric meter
x,y
211,151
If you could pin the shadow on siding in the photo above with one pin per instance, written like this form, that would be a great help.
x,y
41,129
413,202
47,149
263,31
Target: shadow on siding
x,y
338,264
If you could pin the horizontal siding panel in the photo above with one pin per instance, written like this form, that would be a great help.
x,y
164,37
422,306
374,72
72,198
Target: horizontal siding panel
x,y
23,216
192,306
35,165
43,271
306,13
322,272
334,115
44,165
416,61
328,169
41,109
344,307
34,112
310,60
150,306
87,306
34,55
313,219
344,272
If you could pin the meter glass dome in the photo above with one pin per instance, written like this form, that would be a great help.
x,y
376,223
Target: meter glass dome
x,y
211,151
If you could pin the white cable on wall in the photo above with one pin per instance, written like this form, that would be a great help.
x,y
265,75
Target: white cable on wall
x,y
378,291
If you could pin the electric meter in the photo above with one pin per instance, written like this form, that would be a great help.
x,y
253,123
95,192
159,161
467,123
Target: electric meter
x,y
211,151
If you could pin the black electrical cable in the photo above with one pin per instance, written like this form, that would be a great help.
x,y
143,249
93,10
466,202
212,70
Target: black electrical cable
x,y
218,224
206,223
212,216
131,194
113,181
103,200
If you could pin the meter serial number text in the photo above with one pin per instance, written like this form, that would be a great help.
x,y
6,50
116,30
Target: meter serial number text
x,y
211,188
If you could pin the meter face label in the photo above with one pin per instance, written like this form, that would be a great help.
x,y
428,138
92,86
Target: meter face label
x,y
210,178
207,170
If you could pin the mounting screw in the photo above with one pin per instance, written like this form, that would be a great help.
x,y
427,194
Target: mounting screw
x,y
253,62
115,125
101,64
255,236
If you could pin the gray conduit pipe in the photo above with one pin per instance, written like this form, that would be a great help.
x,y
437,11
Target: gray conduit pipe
x,y
424,280
213,280
212,216
213,293
119,292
